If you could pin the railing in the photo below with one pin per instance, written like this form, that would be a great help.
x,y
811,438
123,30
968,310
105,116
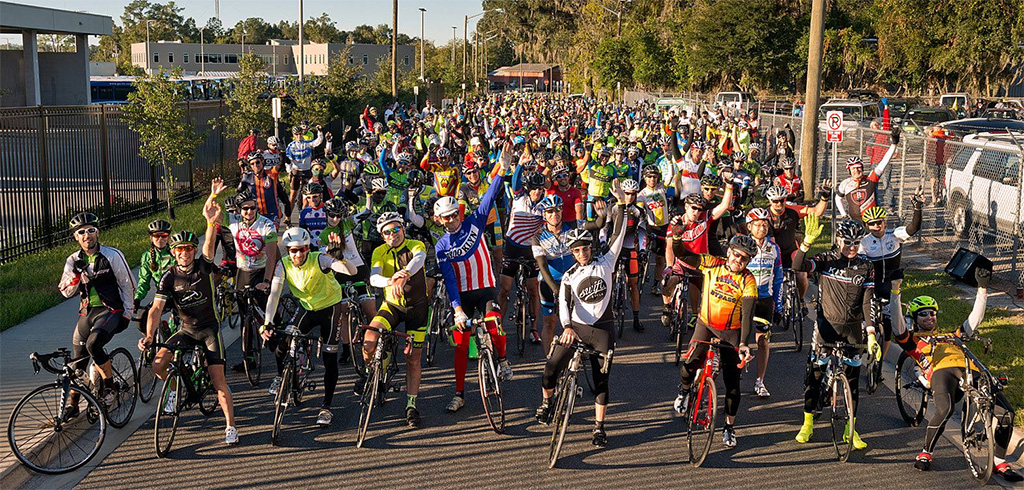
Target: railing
x,y
57,161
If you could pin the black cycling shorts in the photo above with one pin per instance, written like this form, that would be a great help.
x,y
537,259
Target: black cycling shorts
x,y
510,268
478,300
764,308
209,338
298,178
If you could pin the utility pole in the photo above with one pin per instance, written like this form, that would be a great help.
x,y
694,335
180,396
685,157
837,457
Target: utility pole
x,y
394,49
809,132
453,45
202,52
465,41
243,38
302,47
422,11
149,58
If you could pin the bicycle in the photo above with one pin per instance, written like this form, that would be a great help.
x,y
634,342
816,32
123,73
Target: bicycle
x,y
47,434
680,313
189,379
441,316
351,300
619,291
295,377
522,310
703,404
566,391
381,372
644,264
836,388
874,366
251,318
487,375
912,390
147,378
793,313
225,299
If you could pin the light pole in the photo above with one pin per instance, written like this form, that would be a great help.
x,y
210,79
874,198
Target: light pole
x,y
302,48
149,58
618,15
202,53
484,60
422,12
465,38
454,28
243,38
394,49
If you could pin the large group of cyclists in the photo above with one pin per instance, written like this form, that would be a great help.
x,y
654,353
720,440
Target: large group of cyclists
x,y
539,219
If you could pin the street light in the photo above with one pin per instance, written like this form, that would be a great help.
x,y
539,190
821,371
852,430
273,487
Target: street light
x,y
422,11
148,56
617,14
465,38
302,48
202,53
243,38
453,44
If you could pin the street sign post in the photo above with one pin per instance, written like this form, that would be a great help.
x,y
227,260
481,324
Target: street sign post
x,y
275,110
834,135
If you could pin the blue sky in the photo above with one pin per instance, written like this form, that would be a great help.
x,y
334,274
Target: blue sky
x,y
440,17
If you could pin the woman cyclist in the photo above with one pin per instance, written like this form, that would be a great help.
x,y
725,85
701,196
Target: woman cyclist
x,y
152,266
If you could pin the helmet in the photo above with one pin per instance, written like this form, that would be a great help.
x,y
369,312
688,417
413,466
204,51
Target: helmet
x,y
443,153
739,156
695,199
775,192
416,178
272,141
313,189
620,150
388,218
578,236
854,162
372,168
469,166
543,141
743,124
551,201
710,181
183,238
666,139
446,206
404,157
254,155
243,196
698,145
351,146
630,186
295,237
336,207
434,141
755,146
787,162
378,184
158,226
874,213
535,181
606,151
848,229
757,214
519,140
922,303
83,219
652,171
744,244
633,150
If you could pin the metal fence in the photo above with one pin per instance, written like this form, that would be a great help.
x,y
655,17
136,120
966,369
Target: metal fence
x,y
58,161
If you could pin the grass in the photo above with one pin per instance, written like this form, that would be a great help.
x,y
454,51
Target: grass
x,y
28,285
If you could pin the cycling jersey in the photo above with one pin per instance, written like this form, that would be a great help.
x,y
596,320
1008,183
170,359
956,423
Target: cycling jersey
x,y
885,252
570,198
311,282
190,293
636,227
551,245
410,256
463,256
766,266
846,287
268,191
656,203
110,280
314,220
251,241
152,266
446,176
300,152
794,186
585,290
722,297
601,177
525,218
855,197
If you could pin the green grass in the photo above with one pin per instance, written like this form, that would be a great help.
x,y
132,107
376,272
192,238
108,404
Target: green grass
x,y
28,285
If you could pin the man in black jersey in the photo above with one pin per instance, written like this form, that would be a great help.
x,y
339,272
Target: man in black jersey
x,y
188,287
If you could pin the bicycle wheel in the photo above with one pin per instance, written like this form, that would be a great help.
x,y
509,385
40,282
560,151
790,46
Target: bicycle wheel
x,y
700,419
523,305
252,353
911,395
682,319
490,391
126,382
797,324
284,394
432,337
166,423
617,303
147,378
357,350
842,417
45,440
366,403
976,431
208,397
564,402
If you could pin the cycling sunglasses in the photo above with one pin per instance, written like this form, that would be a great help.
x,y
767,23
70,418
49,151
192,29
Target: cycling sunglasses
x,y
297,250
185,248
86,231
927,313
160,235
875,223
849,243
777,201
391,231
248,208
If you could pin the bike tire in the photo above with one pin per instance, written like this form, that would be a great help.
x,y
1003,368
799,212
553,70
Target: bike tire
x,y
523,304
432,337
49,445
977,437
490,391
126,378
281,400
208,396
841,417
358,363
681,321
366,403
911,395
147,378
700,419
797,324
563,412
252,353
166,424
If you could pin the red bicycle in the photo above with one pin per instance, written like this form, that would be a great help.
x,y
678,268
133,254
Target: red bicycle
x,y
703,404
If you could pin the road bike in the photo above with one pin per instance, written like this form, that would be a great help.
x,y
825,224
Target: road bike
x,y
567,390
295,376
147,378
702,405
619,290
381,372
48,433
874,365
225,299
680,314
251,318
441,317
187,385
487,375
793,312
643,262
835,387
351,302
522,309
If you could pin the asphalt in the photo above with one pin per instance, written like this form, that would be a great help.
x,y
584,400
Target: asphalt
x,y
647,447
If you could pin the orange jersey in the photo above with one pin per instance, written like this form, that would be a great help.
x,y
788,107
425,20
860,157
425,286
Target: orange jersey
x,y
722,297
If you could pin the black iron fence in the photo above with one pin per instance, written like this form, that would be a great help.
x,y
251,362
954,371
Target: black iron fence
x,y
58,161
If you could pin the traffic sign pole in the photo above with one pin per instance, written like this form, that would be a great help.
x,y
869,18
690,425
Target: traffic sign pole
x,y
834,134
275,109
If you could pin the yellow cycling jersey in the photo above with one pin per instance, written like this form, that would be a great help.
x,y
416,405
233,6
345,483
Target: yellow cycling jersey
x,y
723,293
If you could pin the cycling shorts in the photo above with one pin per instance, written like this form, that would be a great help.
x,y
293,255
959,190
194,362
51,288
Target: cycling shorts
x,y
629,255
657,244
548,298
299,178
327,319
414,317
478,300
764,308
209,338
510,268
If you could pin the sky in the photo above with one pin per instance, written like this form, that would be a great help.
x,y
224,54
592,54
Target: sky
x,y
441,15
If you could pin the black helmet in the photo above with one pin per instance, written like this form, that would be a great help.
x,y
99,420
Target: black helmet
x,y
652,171
84,219
535,180
744,244
696,199
336,207
849,229
313,189
417,178
184,237
710,181
158,226
578,236
244,196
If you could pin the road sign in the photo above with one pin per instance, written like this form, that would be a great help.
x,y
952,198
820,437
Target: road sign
x,y
834,136
834,121
275,107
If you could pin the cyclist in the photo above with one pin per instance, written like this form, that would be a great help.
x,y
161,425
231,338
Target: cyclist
x,y
846,287
784,219
636,236
585,317
340,223
264,185
856,194
472,187
101,277
397,268
300,156
571,196
726,312
188,289
525,220
654,198
465,264
789,180
255,238
766,266
602,177
308,277
153,264
313,217
944,370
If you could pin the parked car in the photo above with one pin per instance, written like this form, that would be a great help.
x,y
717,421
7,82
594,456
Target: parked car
x,y
916,120
781,107
734,100
983,182
961,128
961,101
899,107
862,94
1004,113
856,113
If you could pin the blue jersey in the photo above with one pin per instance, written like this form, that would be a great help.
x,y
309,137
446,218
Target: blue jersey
x,y
766,267
553,247
314,220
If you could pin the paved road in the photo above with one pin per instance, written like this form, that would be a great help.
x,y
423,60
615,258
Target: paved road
x,y
647,444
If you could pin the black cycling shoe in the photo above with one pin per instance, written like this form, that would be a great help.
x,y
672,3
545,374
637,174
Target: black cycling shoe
x,y
238,368
412,417
71,412
544,412
600,438
924,462
1004,470
639,327
360,384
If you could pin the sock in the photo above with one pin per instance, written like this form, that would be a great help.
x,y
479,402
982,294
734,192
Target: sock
x,y
410,401
599,425
460,393
345,350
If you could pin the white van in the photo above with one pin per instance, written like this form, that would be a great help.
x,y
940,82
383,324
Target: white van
x,y
984,183
739,101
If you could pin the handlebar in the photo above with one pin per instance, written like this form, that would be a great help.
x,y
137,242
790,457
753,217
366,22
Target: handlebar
x,y
718,344
586,349
45,361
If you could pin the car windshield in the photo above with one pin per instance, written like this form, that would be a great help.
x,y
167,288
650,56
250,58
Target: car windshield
x,y
898,109
729,97
853,111
927,117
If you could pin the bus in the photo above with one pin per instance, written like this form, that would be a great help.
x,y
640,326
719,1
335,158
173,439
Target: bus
x,y
115,90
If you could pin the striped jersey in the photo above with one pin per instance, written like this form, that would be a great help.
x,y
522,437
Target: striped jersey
x,y
525,218
463,257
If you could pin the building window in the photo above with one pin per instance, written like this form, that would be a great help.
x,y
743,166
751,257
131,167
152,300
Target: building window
x,y
231,58
214,58
184,58
170,57
366,60
156,57
405,61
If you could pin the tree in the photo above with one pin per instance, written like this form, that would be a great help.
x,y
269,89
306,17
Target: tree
x,y
249,107
341,85
612,63
322,30
256,31
311,103
214,30
156,112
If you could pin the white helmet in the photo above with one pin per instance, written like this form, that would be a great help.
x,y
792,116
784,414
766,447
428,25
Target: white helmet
x,y
775,192
272,140
387,218
630,186
295,237
446,206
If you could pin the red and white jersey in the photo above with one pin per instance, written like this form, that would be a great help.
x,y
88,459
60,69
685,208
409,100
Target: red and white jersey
x,y
525,219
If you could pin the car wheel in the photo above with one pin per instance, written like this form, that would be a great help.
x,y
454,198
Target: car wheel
x,y
961,216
